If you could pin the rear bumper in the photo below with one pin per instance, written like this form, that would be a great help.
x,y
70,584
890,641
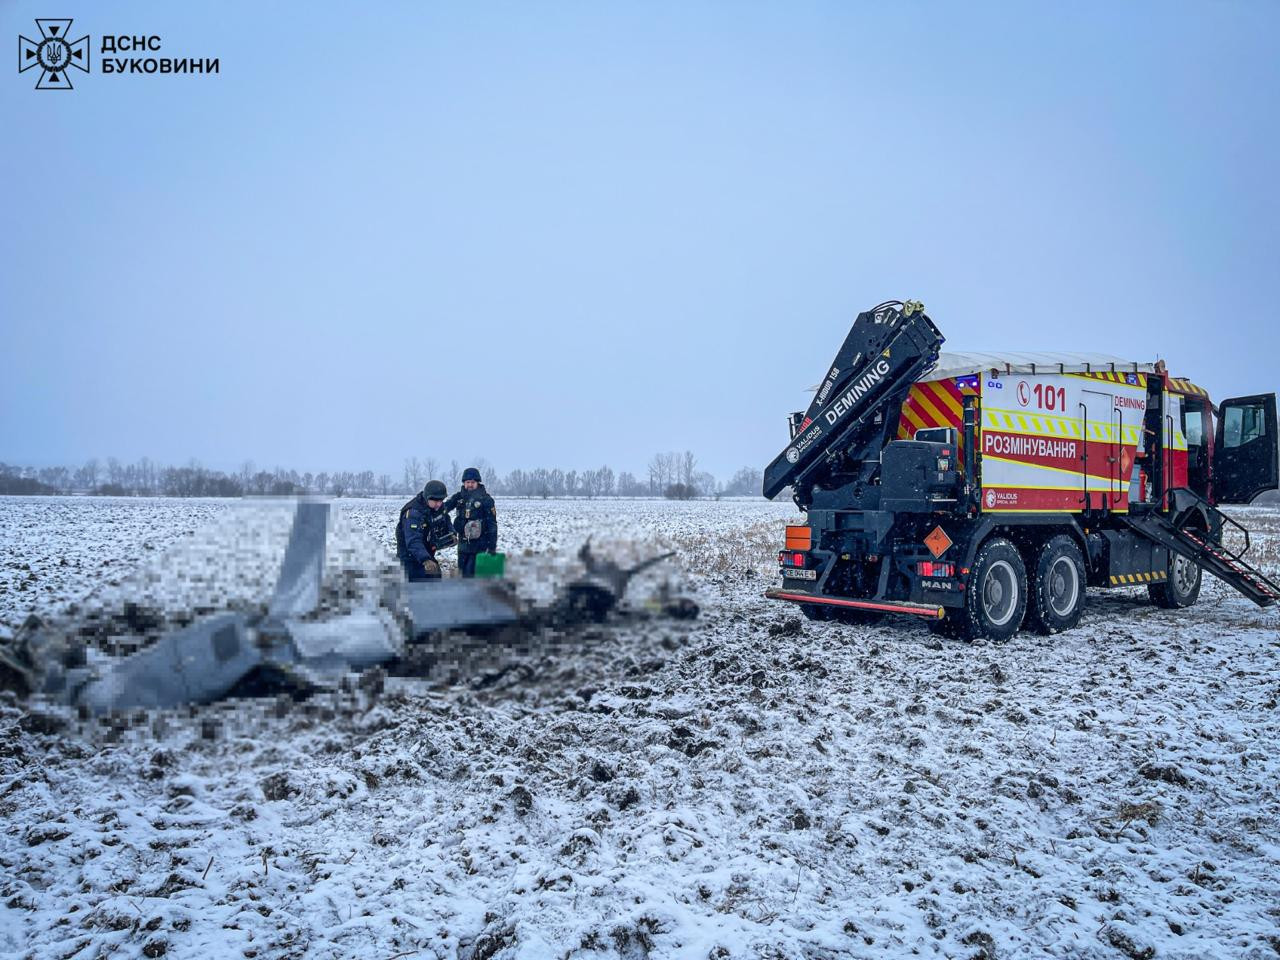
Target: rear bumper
x,y
932,611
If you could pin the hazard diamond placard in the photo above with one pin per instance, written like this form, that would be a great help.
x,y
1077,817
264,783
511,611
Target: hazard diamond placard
x,y
937,541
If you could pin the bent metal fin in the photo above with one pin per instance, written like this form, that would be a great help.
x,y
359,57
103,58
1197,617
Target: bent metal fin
x,y
302,570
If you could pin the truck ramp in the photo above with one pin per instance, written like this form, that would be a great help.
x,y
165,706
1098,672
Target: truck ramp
x,y
1196,546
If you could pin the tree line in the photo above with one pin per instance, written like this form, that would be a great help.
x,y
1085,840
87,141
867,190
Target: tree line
x,y
672,475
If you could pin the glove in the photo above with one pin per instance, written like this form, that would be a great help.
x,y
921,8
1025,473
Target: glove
x,y
431,567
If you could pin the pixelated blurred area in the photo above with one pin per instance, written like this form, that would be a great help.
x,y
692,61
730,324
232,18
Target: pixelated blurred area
x,y
279,598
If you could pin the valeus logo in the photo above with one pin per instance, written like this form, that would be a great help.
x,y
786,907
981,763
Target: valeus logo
x,y
54,54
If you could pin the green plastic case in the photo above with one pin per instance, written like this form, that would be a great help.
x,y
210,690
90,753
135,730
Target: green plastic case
x,y
491,564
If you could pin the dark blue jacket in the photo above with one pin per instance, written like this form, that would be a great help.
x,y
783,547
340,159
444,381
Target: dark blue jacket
x,y
474,505
418,529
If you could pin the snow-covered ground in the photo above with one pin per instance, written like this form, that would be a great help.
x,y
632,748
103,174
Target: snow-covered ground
x,y
743,785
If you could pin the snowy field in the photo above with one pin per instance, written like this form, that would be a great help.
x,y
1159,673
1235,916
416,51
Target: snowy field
x,y
746,785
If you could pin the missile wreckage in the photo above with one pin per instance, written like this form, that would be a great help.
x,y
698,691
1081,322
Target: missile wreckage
x,y
296,648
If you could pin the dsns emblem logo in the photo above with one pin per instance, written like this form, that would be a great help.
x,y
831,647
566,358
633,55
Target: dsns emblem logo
x,y
54,54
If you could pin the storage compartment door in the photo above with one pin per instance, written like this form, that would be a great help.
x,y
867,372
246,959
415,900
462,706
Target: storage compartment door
x,y
1103,425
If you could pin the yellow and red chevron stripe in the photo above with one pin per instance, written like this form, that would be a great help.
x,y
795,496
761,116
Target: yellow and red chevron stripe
x,y
1109,377
1175,383
1186,386
934,403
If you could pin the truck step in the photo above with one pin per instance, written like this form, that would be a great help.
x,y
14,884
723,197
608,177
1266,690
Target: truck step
x,y
932,611
1199,549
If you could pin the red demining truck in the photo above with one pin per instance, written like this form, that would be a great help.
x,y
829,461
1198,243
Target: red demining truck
x,y
984,491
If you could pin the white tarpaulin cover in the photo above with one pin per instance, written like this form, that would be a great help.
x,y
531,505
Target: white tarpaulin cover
x,y
964,364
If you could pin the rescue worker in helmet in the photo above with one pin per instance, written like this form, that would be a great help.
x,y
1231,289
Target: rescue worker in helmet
x,y
423,529
476,521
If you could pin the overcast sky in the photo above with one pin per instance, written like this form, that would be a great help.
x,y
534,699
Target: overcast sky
x,y
574,234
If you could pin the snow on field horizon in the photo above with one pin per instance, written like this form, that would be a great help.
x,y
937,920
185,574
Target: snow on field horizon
x,y
744,785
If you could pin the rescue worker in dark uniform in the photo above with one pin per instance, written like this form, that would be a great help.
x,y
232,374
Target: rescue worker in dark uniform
x,y
423,529
476,521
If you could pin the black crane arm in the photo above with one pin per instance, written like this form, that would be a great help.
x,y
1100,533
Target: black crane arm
x,y
886,350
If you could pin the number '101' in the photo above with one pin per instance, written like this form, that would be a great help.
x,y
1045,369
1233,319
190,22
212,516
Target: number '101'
x,y
1051,398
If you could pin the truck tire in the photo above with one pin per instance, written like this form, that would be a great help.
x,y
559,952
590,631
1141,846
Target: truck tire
x,y
996,596
1057,586
1181,587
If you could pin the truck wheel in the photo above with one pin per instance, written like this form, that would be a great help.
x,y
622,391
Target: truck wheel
x,y
996,598
1057,590
1181,587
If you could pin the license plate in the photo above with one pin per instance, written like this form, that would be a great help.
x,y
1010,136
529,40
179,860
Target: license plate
x,y
800,574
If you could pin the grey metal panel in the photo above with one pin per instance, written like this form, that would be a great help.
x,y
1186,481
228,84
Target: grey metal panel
x,y
456,604
356,641
195,665
298,588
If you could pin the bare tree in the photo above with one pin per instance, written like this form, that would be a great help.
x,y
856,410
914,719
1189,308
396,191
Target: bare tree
x,y
687,467
661,472
88,474
745,483
413,473
146,476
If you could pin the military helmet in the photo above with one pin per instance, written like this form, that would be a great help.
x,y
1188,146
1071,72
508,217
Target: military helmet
x,y
471,473
434,490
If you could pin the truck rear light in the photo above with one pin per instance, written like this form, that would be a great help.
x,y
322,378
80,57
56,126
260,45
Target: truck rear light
x,y
799,538
931,568
790,559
